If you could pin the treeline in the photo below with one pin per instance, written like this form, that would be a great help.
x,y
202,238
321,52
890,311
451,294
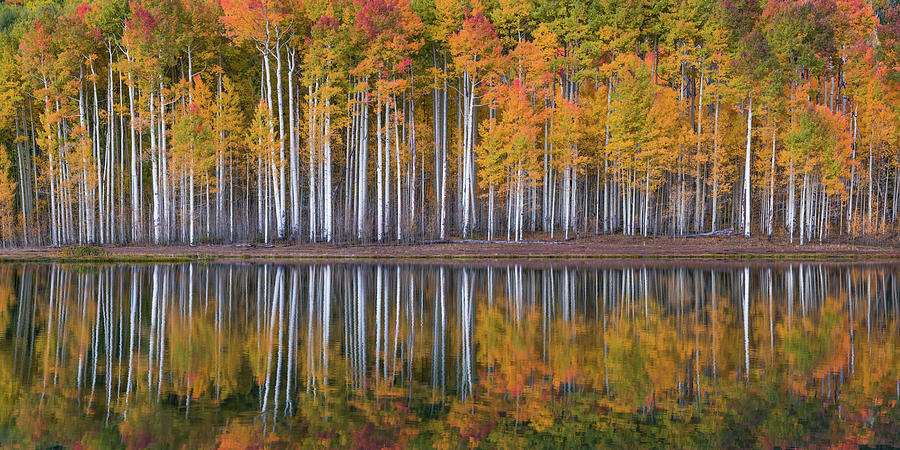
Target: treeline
x,y
190,121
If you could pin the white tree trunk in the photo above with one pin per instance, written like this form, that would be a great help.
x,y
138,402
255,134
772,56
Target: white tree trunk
x,y
852,174
293,147
362,148
771,209
379,186
312,104
715,192
747,169
327,232
135,168
154,168
281,215
397,149
698,222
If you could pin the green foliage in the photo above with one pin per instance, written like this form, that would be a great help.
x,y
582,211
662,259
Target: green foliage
x,y
83,251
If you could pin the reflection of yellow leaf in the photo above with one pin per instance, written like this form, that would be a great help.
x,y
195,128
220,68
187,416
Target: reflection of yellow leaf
x,y
237,435
541,419
7,298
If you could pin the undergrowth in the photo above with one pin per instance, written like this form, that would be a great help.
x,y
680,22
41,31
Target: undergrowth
x,y
83,251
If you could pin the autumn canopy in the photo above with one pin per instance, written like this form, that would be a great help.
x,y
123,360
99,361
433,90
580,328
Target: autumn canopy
x,y
180,121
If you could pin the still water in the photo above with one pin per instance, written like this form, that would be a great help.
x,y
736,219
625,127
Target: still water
x,y
349,355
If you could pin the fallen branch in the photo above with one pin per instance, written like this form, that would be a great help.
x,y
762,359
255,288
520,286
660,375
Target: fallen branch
x,y
725,232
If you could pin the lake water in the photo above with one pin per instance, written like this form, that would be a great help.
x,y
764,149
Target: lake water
x,y
359,355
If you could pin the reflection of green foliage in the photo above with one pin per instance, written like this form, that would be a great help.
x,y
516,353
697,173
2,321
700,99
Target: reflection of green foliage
x,y
764,416
633,379
808,348
9,395
886,427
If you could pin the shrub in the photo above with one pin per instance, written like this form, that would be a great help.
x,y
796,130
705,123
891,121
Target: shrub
x,y
83,251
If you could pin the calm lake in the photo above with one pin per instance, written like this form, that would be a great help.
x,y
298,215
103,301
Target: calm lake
x,y
360,355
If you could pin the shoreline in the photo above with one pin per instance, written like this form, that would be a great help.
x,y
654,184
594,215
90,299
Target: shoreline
x,y
588,249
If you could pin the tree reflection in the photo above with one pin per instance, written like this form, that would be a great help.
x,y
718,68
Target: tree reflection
x,y
353,355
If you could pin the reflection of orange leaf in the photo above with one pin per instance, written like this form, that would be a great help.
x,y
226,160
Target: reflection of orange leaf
x,y
240,436
473,422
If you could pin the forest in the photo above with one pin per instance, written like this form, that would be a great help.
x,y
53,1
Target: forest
x,y
191,121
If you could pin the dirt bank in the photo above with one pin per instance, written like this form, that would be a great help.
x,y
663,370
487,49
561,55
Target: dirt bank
x,y
604,247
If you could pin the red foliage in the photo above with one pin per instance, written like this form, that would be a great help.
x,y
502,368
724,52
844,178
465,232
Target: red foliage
x,y
40,37
83,10
476,42
479,25
889,35
377,17
141,22
326,23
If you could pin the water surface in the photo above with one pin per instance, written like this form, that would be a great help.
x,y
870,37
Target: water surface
x,y
348,355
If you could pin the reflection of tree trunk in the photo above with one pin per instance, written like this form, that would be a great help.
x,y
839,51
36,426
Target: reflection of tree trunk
x,y
385,322
465,312
411,336
438,377
310,312
605,346
698,281
154,297
360,327
279,274
109,339
790,295
135,292
715,322
292,338
162,332
279,291
326,320
868,311
771,318
850,308
94,340
396,326
218,326
746,311
378,297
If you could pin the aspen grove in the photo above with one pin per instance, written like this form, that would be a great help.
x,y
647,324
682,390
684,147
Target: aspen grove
x,y
187,121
